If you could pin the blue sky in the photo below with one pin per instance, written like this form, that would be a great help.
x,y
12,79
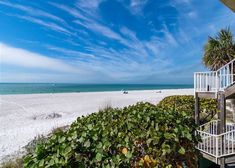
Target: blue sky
x,y
107,41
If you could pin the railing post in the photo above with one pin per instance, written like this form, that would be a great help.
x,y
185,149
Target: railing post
x,y
195,87
232,71
200,81
227,75
217,81
222,162
216,146
222,113
197,109
222,125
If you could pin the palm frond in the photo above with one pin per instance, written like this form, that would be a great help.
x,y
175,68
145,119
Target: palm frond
x,y
219,49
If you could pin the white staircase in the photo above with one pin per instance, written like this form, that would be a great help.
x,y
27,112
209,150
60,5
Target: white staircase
x,y
215,144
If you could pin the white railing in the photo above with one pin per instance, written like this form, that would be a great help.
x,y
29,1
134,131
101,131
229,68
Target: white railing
x,y
208,144
206,81
227,75
210,127
215,144
215,81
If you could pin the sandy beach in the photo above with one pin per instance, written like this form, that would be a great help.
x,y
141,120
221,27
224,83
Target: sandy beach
x,y
22,117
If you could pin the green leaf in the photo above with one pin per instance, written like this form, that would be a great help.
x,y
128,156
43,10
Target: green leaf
x,y
182,151
95,137
62,139
81,140
98,157
127,139
41,163
74,136
89,126
169,135
99,145
51,162
87,144
149,141
129,155
67,150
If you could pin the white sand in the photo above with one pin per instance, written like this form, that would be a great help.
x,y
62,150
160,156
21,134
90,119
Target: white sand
x,y
22,117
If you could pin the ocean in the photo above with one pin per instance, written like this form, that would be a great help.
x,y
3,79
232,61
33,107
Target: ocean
x,y
29,88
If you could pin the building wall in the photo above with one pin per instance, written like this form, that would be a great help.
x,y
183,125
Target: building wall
x,y
230,4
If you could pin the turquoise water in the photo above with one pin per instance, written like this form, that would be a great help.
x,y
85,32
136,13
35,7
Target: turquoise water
x,y
28,88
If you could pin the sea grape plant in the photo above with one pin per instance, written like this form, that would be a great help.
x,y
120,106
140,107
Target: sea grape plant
x,y
140,135
208,107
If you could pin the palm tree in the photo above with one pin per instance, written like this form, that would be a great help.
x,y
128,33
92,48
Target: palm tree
x,y
219,50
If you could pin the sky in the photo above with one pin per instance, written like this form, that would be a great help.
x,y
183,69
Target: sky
x,y
107,41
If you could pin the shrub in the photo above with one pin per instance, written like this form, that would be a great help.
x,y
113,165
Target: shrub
x,y
208,107
31,146
136,136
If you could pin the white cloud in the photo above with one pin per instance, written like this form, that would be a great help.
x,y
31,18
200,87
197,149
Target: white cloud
x,y
192,14
128,33
23,58
91,4
72,11
169,38
69,52
138,59
88,19
184,2
48,25
100,29
32,11
136,6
